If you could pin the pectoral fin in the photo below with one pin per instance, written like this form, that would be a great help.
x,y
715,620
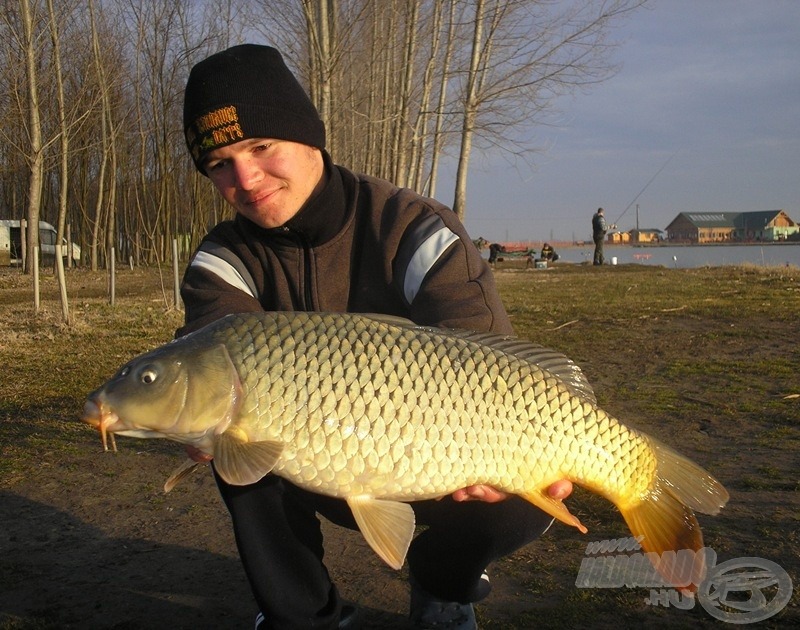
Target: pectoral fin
x,y
184,470
388,527
240,462
554,507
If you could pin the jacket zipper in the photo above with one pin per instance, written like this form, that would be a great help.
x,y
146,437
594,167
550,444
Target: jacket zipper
x,y
307,296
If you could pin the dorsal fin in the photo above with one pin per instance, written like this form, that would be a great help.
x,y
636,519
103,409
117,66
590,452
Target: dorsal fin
x,y
548,359
394,320
557,364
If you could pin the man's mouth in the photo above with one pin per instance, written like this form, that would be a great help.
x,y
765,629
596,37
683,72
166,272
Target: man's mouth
x,y
259,197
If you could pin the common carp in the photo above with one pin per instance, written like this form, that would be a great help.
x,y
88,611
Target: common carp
x,y
379,411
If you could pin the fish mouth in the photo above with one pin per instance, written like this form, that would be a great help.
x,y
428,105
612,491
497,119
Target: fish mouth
x,y
102,418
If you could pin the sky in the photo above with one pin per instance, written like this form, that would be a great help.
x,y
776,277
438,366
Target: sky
x,y
704,115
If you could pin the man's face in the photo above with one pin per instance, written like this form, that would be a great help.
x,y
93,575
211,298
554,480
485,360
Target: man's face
x,y
266,181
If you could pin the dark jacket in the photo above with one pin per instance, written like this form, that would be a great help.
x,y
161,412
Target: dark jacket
x,y
599,227
362,245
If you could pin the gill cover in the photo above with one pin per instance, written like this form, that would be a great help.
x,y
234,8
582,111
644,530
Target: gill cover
x,y
179,390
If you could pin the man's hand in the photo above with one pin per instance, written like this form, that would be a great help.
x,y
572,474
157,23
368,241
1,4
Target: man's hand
x,y
560,490
195,454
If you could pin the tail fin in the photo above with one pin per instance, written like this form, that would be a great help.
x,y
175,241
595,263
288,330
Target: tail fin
x,y
665,517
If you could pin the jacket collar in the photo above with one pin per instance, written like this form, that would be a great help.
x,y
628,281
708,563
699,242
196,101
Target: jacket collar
x,y
318,221
323,216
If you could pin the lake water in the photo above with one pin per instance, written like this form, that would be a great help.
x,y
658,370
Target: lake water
x,y
771,255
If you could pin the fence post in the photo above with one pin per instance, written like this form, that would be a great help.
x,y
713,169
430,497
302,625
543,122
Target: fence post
x,y
62,282
23,227
35,271
112,278
69,245
176,287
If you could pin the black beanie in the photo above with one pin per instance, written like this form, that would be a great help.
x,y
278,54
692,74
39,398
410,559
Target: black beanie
x,y
246,92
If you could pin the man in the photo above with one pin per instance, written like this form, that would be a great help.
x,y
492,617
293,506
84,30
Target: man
x,y
530,259
311,235
494,251
599,229
548,253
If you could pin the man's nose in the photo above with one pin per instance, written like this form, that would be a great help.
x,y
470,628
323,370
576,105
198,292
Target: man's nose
x,y
247,173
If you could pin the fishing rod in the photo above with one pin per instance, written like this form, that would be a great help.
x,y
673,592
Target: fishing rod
x,y
658,172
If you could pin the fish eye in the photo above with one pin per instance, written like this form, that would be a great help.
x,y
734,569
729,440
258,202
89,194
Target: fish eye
x,y
148,376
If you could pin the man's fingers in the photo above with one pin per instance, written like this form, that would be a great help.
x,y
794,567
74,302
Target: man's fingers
x,y
479,493
560,489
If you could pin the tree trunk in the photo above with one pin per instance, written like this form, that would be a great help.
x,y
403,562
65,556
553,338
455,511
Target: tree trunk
x,y
400,150
101,177
35,148
438,134
64,164
469,115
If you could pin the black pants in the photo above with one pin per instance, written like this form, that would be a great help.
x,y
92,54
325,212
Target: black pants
x,y
598,250
280,544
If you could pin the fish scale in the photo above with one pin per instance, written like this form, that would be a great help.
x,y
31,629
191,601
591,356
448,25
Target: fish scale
x,y
500,404
379,412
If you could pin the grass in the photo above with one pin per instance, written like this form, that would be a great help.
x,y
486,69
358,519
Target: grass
x,y
704,359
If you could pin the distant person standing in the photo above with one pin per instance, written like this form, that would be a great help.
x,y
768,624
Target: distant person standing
x,y
530,259
494,251
599,229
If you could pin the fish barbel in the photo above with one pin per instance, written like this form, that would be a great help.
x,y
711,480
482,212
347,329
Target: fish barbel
x,y
379,411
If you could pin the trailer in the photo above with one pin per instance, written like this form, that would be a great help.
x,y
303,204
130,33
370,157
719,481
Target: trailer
x,y
11,244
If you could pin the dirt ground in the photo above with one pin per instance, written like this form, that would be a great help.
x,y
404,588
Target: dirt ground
x,y
88,540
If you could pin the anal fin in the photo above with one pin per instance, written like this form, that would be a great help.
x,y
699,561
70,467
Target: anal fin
x,y
388,526
553,507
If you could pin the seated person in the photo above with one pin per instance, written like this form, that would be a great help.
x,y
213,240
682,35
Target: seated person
x,y
548,253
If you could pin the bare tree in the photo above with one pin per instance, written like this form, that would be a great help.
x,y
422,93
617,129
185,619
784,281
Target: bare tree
x,y
319,38
398,83
64,164
523,55
420,127
35,151
439,129
495,67
321,17
159,40
400,149
102,211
